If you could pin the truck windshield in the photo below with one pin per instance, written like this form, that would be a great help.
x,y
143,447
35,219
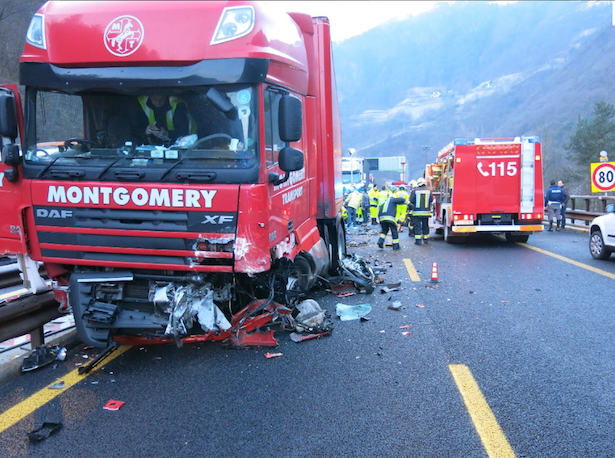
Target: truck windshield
x,y
162,134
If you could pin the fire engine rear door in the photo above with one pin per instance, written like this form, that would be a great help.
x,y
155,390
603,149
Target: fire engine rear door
x,y
11,177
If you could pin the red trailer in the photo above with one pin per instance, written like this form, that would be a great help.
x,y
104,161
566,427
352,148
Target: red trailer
x,y
488,185
169,236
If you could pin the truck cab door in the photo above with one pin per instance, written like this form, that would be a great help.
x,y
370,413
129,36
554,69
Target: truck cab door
x,y
12,199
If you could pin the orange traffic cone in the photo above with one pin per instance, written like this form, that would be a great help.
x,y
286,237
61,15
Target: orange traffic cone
x,y
434,272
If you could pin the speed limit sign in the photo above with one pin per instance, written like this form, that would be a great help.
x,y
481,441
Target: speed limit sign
x,y
603,176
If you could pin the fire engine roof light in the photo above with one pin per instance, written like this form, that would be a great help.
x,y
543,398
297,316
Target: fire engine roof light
x,y
235,22
36,32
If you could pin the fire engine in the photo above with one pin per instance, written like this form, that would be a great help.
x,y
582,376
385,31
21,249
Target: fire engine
x,y
162,238
488,186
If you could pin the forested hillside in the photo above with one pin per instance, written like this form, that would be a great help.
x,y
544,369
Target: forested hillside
x,y
473,69
468,69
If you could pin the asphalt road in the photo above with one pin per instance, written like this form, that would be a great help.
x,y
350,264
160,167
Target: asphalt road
x,y
534,332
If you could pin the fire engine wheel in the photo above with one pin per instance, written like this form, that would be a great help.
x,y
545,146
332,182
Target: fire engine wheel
x,y
448,238
596,246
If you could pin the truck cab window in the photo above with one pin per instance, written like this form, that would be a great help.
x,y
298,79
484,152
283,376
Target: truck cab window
x,y
273,144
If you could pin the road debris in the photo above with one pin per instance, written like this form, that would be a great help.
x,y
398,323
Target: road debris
x,y
58,386
272,355
113,405
420,305
310,314
40,357
352,312
405,326
46,430
296,337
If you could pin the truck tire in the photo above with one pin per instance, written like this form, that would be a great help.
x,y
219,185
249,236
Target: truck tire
x,y
516,238
333,232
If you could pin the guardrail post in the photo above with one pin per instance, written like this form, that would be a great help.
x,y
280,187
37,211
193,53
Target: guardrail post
x,y
37,337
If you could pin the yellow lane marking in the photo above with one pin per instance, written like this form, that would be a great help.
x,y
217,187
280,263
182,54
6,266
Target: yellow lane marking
x,y
414,276
19,292
42,397
570,261
486,425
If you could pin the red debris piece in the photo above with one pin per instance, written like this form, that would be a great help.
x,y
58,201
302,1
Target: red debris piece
x,y
113,405
295,337
420,305
255,339
406,333
405,326
345,294
272,355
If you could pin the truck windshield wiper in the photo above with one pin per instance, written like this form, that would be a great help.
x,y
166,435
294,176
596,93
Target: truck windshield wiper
x,y
171,168
53,161
106,169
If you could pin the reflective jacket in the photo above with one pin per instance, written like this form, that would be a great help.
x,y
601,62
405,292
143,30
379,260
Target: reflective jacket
x,y
388,211
420,201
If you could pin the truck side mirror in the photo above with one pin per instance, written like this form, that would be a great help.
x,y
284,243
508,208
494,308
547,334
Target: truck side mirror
x,y
10,155
290,160
290,119
8,116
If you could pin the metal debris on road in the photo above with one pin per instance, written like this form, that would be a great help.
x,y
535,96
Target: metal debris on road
x,y
46,430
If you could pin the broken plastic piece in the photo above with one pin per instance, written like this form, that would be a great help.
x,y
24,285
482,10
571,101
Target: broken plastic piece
x,y
295,337
405,326
113,405
352,312
58,386
40,357
255,339
420,305
311,315
345,294
396,305
272,355
406,333
46,430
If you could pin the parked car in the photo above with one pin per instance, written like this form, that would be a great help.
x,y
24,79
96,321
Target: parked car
x,y
602,234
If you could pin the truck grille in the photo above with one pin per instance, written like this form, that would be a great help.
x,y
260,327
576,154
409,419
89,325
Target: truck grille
x,y
129,238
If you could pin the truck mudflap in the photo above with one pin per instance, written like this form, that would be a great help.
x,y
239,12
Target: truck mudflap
x,y
498,228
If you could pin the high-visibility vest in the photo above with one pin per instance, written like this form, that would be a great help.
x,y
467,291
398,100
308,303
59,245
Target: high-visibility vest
x,y
174,101
420,200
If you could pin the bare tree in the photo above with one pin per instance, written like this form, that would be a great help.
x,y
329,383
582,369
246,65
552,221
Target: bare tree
x,y
15,17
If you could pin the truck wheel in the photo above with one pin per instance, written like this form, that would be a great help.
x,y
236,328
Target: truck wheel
x,y
516,238
596,246
337,244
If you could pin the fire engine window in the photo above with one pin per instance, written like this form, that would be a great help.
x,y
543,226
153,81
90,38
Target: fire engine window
x,y
273,144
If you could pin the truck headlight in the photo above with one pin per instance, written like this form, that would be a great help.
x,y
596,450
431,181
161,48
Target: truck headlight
x,y
36,32
235,22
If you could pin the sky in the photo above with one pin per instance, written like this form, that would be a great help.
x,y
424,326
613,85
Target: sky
x,y
353,18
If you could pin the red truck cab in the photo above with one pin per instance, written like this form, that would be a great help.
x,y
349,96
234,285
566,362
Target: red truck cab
x,y
137,215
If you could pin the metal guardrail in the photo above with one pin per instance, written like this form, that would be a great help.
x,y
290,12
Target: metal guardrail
x,y
28,313
586,208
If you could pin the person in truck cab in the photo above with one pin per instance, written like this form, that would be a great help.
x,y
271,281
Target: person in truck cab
x,y
554,198
166,119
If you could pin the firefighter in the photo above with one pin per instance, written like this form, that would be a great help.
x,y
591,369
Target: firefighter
x,y
409,218
383,195
402,209
373,203
387,215
421,201
365,206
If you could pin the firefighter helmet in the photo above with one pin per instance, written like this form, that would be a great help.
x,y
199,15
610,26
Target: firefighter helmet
x,y
421,182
